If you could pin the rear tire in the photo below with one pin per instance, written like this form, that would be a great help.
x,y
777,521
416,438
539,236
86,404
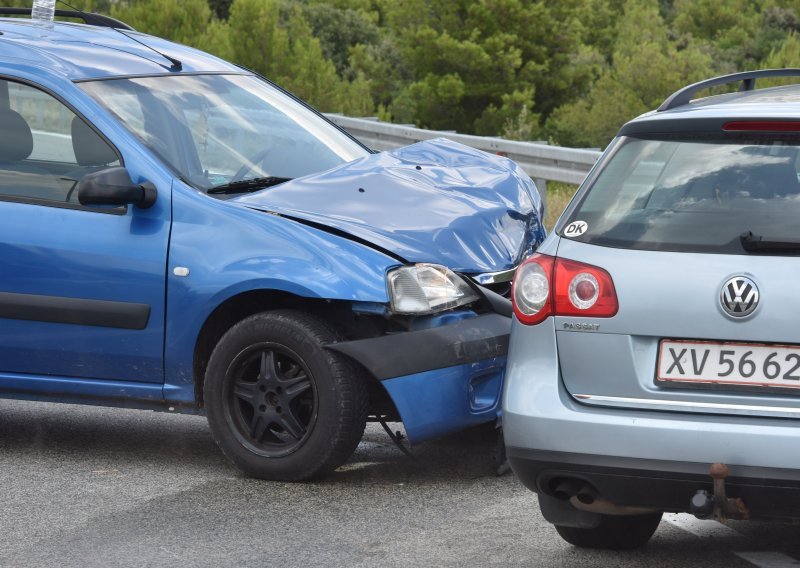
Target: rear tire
x,y
279,404
615,532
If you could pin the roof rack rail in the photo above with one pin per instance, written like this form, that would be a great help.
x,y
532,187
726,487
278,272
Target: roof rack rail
x,y
748,79
88,18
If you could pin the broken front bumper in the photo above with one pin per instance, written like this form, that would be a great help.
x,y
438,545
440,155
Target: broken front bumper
x,y
442,379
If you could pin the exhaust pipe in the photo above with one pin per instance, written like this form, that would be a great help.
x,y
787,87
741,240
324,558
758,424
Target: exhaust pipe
x,y
586,498
567,489
606,507
586,495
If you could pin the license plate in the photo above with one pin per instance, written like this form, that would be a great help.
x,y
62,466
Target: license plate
x,y
746,364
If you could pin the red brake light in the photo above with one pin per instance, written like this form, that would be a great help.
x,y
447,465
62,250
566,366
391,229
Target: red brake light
x,y
761,126
575,280
585,290
545,286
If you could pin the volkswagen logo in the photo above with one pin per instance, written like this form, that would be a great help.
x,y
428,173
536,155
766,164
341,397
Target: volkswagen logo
x,y
739,296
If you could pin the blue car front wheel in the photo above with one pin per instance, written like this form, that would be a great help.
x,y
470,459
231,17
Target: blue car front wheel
x,y
279,404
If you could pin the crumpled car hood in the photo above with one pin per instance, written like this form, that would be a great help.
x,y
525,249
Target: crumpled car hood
x,y
435,201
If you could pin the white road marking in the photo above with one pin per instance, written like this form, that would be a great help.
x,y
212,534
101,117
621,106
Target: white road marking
x,y
699,527
714,529
768,559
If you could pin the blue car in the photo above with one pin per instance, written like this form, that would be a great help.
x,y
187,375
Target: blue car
x,y
180,234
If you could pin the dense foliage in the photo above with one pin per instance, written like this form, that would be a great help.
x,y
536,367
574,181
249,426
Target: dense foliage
x,y
571,71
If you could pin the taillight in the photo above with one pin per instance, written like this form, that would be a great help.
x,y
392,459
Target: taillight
x,y
583,290
545,286
531,289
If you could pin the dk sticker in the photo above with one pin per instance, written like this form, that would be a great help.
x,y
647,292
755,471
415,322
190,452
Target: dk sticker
x,y
576,229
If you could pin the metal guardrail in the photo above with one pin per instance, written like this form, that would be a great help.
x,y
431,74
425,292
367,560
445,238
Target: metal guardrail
x,y
540,161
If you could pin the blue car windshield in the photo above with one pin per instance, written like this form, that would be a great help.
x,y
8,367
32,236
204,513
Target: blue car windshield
x,y
693,193
217,130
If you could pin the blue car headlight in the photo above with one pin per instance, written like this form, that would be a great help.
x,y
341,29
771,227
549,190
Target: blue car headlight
x,y
427,288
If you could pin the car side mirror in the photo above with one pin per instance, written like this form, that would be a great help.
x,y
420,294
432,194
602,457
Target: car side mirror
x,y
113,186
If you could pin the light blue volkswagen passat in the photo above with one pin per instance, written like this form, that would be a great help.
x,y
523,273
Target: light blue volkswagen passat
x,y
655,331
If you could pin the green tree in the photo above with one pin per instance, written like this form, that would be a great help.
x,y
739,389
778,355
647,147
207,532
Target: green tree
x,y
385,69
739,34
714,20
647,65
787,55
183,21
571,70
221,8
340,29
513,119
273,38
450,64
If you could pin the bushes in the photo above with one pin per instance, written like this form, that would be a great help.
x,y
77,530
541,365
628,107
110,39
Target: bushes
x,y
571,71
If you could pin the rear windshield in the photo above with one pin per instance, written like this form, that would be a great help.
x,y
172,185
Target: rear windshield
x,y
695,194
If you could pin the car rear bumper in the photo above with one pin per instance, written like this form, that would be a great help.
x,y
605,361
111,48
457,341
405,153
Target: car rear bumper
x,y
658,484
654,459
442,379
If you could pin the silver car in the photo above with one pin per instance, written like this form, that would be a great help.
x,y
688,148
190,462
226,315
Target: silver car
x,y
654,362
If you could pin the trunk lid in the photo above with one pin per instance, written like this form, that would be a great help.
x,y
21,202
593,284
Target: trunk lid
x,y
665,219
676,296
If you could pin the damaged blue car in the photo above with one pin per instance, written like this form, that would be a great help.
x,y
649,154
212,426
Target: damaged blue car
x,y
180,234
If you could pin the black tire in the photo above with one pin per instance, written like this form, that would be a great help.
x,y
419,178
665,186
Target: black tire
x,y
615,532
280,405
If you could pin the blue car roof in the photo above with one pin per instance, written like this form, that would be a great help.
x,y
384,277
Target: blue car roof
x,y
79,51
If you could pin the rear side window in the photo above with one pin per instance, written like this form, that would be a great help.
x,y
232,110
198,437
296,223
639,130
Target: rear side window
x,y
692,194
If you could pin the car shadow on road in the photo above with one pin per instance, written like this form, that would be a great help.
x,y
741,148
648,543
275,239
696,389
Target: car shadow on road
x,y
137,438
469,454
47,430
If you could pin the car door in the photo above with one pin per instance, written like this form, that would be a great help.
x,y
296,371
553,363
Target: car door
x,y
82,289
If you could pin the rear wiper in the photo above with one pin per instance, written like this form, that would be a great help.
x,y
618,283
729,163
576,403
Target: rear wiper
x,y
247,185
759,243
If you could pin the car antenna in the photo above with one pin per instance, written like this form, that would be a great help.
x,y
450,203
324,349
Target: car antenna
x,y
176,63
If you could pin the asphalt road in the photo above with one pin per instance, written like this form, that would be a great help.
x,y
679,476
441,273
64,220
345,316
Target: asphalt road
x,y
85,486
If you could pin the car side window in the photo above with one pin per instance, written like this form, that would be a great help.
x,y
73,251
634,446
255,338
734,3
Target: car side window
x,y
45,148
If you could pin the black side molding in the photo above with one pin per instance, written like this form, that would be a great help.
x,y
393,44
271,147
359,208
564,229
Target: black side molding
x,y
78,311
